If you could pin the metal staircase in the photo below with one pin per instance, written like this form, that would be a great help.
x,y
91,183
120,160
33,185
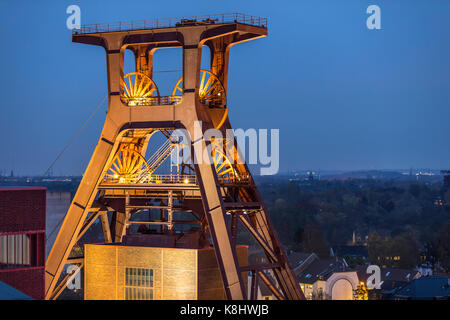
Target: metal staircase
x,y
159,156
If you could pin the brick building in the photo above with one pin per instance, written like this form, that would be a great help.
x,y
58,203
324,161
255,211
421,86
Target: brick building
x,y
131,271
22,239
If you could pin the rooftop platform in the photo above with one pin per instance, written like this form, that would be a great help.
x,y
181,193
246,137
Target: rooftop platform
x,y
179,22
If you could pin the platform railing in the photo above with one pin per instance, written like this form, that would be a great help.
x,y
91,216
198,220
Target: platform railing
x,y
169,178
188,179
151,101
169,100
159,179
172,22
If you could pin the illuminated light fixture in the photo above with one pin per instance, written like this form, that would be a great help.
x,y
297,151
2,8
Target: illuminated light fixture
x,y
131,103
116,176
186,181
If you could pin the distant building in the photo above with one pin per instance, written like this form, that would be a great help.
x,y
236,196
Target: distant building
x,y
298,258
331,279
342,285
425,288
392,278
306,178
312,273
22,239
345,285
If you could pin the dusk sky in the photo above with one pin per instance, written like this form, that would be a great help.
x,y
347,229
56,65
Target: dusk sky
x,y
344,97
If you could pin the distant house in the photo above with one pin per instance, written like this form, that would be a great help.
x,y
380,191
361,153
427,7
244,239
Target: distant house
x,y
312,273
392,279
332,279
296,259
425,288
344,285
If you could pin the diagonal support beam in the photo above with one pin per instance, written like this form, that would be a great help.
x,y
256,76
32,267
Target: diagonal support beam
x,y
271,286
87,224
258,237
63,284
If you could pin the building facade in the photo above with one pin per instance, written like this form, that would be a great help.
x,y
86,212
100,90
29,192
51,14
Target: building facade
x,y
22,239
313,273
332,279
121,272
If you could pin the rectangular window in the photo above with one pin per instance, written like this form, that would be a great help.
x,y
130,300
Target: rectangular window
x,y
138,284
15,250
138,293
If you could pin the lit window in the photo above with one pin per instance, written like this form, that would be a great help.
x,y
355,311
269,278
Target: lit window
x,y
138,284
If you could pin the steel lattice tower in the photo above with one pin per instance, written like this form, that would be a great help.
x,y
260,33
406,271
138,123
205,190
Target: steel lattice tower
x,y
119,181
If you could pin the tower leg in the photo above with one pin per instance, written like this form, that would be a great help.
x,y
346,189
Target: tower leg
x,y
215,214
78,210
260,225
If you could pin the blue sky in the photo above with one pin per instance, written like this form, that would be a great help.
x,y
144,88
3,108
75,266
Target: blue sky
x,y
344,97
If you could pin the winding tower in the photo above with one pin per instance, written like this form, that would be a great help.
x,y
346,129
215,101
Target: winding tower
x,y
120,181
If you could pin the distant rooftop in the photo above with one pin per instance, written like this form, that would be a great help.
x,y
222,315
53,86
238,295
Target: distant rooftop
x,y
430,287
172,23
309,268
